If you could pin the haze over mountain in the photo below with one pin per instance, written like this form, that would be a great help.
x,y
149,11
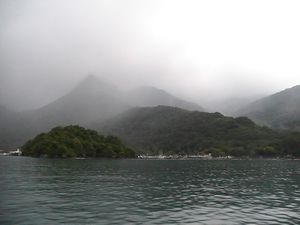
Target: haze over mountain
x,y
8,121
280,110
215,56
230,106
151,96
48,46
98,104
95,99
92,100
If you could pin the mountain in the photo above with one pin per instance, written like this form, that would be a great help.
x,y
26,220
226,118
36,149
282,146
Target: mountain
x,y
174,130
229,106
147,96
280,110
14,128
92,99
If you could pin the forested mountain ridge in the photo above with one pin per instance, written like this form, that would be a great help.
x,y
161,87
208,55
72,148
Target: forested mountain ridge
x,y
279,111
176,131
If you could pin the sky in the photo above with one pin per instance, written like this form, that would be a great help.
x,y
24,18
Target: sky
x,y
203,51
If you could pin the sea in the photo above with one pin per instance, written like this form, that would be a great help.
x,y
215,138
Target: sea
x,y
135,191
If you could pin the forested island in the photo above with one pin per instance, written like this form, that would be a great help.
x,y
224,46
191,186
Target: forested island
x,y
75,141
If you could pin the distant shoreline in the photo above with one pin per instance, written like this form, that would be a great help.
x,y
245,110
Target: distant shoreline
x,y
157,158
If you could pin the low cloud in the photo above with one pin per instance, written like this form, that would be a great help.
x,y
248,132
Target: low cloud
x,y
202,51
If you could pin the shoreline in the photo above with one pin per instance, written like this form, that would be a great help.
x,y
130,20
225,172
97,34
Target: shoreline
x,y
164,159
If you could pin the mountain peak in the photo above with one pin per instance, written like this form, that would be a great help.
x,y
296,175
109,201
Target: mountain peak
x,y
90,79
92,83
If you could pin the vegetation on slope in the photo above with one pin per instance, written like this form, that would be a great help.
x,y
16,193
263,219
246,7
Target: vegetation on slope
x,y
176,131
75,141
279,111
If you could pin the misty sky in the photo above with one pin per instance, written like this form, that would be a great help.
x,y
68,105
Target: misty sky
x,y
200,50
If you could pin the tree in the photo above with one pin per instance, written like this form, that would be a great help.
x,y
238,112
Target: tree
x,y
75,141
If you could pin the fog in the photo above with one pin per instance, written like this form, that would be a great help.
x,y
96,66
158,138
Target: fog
x,y
203,51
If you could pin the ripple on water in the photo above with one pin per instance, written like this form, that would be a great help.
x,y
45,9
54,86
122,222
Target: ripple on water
x,y
44,191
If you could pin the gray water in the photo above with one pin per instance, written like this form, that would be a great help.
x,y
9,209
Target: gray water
x,y
91,191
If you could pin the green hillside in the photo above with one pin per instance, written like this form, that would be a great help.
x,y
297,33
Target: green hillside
x,y
75,141
176,131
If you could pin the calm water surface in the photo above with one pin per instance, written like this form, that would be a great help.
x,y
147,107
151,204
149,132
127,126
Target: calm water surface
x,y
70,191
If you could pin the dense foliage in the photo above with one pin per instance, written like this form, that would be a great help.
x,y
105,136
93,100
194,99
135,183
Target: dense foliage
x,y
176,131
75,141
